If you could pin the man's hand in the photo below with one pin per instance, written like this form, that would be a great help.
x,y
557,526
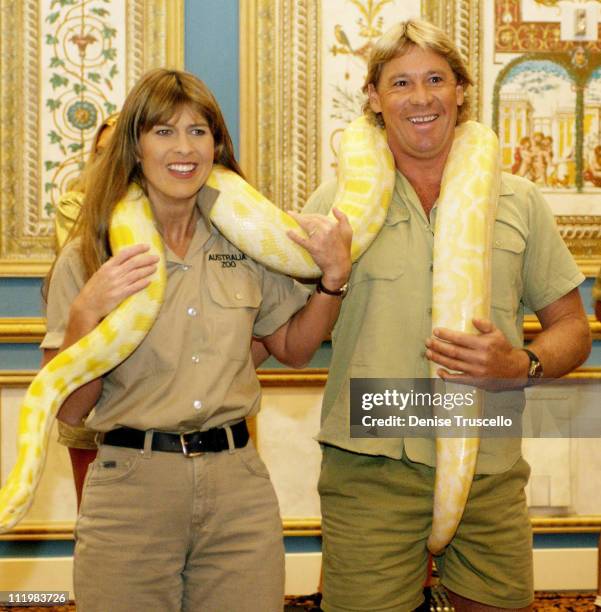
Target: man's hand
x,y
329,243
487,355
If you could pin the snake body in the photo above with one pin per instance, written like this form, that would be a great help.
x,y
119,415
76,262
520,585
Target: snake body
x,y
107,345
460,292
256,227
366,179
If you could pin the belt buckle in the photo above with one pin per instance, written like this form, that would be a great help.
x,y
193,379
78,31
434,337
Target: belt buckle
x,y
188,453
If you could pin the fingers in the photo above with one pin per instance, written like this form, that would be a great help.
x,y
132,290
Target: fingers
x,y
124,274
450,363
304,242
130,251
484,326
319,230
344,223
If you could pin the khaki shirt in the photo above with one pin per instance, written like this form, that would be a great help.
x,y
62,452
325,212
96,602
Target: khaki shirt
x,y
67,211
194,369
386,315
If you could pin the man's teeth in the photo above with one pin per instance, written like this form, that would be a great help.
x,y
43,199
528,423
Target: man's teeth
x,y
424,119
181,167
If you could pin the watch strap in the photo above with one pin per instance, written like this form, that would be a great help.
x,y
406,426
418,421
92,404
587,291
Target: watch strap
x,y
337,292
535,369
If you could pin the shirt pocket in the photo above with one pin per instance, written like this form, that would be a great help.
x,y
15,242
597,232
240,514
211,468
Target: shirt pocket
x,y
385,258
233,307
507,262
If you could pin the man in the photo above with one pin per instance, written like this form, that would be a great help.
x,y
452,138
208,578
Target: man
x,y
376,493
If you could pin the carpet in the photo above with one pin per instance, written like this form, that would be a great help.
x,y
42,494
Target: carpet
x,y
544,602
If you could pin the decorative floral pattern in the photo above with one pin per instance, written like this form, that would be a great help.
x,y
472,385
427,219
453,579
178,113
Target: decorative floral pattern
x,y
83,62
82,115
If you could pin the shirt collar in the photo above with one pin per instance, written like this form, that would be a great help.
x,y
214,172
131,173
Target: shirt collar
x,y
205,233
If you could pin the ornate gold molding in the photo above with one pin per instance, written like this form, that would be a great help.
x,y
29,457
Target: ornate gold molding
x,y
303,527
22,330
40,531
582,234
31,330
154,37
16,378
566,524
283,377
277,377
461,20
306,527
280,98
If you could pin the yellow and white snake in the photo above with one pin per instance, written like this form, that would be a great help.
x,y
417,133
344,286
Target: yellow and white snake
x,y
365,183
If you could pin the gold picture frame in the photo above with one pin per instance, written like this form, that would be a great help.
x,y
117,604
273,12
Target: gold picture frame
x,y
40,43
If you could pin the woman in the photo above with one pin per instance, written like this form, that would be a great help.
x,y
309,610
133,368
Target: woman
x,y
80,440
173,520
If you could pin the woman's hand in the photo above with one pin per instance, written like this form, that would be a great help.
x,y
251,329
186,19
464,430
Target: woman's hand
x,y
121,276
329,243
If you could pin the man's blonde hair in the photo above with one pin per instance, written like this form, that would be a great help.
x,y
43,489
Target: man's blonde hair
x,y
398,40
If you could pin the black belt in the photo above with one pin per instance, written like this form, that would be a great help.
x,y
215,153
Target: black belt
x,y
190,444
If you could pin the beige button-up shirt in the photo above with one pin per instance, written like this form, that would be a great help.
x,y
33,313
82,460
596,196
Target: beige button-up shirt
x,y
386,316
194,369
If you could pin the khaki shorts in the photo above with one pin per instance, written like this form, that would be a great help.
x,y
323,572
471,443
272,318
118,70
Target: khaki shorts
x,y
76,437
377,514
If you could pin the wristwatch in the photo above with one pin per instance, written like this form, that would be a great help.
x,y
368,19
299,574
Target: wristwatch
x,y
337,293
535,369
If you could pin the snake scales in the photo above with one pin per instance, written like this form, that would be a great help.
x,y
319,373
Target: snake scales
x,y
366,179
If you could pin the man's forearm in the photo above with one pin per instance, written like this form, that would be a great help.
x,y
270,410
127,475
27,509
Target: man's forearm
x,y
563,346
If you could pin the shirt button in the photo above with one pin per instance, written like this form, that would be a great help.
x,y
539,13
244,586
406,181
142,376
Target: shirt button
x,y
238,296
197,404
185,268
192,312
195,358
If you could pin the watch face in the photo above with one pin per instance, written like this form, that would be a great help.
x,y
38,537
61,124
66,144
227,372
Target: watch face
x,y
536,369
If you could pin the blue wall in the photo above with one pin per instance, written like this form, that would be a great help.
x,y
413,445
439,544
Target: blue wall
x,y
212,53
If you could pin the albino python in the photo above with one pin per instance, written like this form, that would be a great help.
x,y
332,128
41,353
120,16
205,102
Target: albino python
x,y
461,292
365,181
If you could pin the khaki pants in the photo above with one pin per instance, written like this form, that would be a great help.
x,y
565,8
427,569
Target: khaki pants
x,y
159,532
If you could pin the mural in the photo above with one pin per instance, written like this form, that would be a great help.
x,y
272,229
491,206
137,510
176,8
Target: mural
x,y
82,59
66,65
592,131
536,123
547,97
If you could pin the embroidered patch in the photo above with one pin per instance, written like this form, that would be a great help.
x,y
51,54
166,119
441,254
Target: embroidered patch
x,y
228,260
